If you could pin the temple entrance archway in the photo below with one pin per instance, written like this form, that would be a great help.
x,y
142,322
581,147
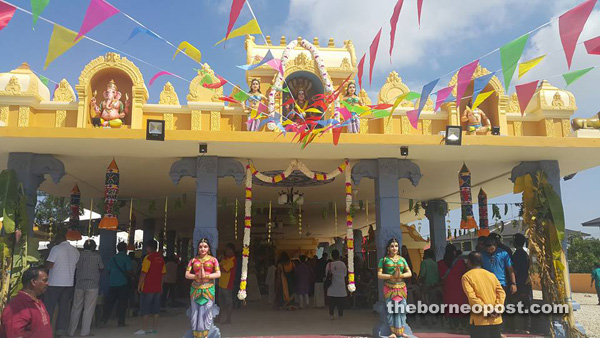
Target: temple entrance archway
x,y
307,81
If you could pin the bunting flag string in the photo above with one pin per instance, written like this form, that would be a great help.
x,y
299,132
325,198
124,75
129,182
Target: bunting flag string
x,y
236,8
62,40
526,66
464,78
6,14
525,93
394,24
138,30
413,115
419,8
592,46
570,26
159,74
575,75
482,97
219,84
373,54
479,85
509,57
37,7
360,69
442,96
264,60
189,50
97,12
251,27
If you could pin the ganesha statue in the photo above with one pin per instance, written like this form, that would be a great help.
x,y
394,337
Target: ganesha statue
x,y
111,110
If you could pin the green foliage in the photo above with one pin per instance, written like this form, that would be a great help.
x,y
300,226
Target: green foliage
x,y
496,212
51,210
9,200
583,253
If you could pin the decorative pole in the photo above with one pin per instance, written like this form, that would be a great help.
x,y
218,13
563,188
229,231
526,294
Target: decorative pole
x,y
132,220
74,234
111,190
464,181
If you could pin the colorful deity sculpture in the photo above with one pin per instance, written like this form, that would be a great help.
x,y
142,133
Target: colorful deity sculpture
x,y
111,110
477,121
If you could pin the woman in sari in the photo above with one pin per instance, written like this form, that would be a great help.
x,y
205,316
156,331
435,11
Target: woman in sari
x,y
451,269
393,269
284,280
203,270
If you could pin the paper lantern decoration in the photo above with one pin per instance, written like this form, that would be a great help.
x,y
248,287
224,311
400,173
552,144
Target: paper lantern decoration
x,y
73,234
111,190
464,181
484,227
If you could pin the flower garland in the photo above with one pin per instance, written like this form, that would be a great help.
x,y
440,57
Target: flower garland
x,y
295,164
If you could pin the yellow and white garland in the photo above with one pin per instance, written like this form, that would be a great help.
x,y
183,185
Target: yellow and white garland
x,y
295,165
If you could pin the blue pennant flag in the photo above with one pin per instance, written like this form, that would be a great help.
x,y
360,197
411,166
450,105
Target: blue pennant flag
x,y
266,59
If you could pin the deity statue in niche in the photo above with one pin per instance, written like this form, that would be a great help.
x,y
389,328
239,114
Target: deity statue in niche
x,y
111,110
252,105
477,121
353,100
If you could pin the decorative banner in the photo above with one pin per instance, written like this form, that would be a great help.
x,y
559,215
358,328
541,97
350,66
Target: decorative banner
x,y
219,84
138,30
241,96
419,7
373,54
360,67
44,80
463,79
482,97
575,75
484,227
159,74
278,66
427,89
413,117
111,190
393,24
525,93
73,234
570,25
37,7
509,57
97,12
236,8
264,60
479,84
62,40
132,227
526,66
6,13
464,182
592,45
442,95
189,50
251,27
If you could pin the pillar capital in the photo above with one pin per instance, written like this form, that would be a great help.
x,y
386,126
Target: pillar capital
x,y
435,207
190,166
388,167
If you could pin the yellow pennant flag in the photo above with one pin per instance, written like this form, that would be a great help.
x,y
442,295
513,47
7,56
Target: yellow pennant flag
x,y
251,27
482,97
62,40
528,65
399,100
189,50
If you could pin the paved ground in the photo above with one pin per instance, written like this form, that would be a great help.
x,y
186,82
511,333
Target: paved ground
x,y
589,314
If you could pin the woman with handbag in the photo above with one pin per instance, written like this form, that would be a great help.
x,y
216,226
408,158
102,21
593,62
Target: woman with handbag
x,y
335,284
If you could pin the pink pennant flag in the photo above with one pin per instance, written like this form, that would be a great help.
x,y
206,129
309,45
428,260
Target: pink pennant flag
x,y
463,79
442,94
276,64
361,65
593,46
570,25
419,7
236,8
413,117
525,93
97,12
159,74
373,54
345,113
393,23
6,13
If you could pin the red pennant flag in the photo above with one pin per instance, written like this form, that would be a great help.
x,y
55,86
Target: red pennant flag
x,y
229,99
219,84
373,54
6,13
337,131
570,25
236,8
592,45
97,12
525,93
393,23
361,65
419,7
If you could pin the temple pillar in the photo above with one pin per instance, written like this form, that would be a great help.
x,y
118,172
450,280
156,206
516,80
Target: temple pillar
x,y
386,172
206,170
107,249
30,169
148,228
171,243
436,211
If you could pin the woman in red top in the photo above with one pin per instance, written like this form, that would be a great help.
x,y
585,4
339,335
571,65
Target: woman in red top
x,y
451,269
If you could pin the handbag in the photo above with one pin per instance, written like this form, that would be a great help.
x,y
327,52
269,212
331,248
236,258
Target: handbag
x,y
328,279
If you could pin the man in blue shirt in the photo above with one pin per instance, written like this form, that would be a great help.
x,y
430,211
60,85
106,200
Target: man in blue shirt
x,y
498,262
120,272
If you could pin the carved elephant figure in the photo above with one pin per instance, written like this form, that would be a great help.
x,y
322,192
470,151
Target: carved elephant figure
x,y
589,123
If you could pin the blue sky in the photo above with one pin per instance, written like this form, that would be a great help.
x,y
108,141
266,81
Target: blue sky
x,y
452,34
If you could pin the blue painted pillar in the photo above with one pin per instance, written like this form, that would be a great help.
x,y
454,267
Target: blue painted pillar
x,y
149,227
436,211
107,249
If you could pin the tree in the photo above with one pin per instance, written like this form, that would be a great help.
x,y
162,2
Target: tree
x,y
51,211
583,253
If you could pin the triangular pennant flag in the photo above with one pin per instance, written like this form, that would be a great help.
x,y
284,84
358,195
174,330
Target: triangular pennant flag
x,y
526,66
412,95
413,117
241,96
266,59
419,7
62,40
219,84
479,84
575,75
525,93
464,78
236,8
138,30
97,12
251,27
277,65
159,74
373,54
393,24
570,25
44,80
399,100
37,7
442,95
427,89
6,13
509,57
361,65
189,50
481,97
592,45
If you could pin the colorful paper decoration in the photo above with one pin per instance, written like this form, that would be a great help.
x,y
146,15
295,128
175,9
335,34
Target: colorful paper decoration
x,y
97,12
73,234
509,57
570,25
484,227
278,66
442,95
44,80
526,66
6,14
138,30
413,115
111,190
373,54
37,7
393,24
268,57
361,65
219,84
575,75
464,182
463,79
236,8
482,97
62,40
525,93
479,84
251,27
419,7
189,50
592,45
159,74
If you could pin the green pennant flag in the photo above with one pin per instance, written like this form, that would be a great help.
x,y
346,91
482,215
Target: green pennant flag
x,y
44,80
206,79
241,96
412,95
509,57
573,76
379,113
37,7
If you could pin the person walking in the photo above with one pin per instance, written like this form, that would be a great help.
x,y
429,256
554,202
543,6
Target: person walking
x,y
302,280
337,290
150,287
120,272
429,279
87,277
596,278
61,263
483,289
25,316
319,278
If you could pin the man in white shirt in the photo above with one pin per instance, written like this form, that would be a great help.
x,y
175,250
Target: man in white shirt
x,y
61,264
